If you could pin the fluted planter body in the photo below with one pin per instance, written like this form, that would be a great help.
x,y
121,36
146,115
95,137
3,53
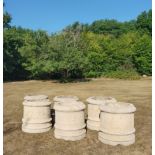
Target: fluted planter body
x,y
117,124
94,102
36,116
69,120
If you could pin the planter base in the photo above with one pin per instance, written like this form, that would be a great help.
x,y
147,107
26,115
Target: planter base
x,y
116,139
93,125
72,135
73,138
35,130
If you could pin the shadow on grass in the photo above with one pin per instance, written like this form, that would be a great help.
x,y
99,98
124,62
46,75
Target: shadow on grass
x,y
71,80
63,80
22,80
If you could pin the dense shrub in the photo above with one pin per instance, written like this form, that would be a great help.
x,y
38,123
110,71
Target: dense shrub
x,y
92,74
123,74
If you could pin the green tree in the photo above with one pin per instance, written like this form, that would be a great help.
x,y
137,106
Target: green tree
x,y
66,55
144,22
6,20
12,59
33,52
112,27
143,55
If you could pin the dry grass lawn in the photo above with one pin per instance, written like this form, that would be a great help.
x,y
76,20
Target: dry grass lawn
x,y
16,142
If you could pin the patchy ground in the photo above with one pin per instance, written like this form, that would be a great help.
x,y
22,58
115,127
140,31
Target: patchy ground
x,y
18,143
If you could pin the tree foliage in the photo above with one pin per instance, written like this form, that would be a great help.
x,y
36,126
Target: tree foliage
x,y
144,22
6,20
103,48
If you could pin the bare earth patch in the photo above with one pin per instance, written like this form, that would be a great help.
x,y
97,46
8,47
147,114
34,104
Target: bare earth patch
x,y
16,142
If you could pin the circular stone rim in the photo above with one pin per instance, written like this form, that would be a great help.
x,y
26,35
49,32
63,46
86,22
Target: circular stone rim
x,y
37,103
69,106
118,107
63,98
35,97
102,100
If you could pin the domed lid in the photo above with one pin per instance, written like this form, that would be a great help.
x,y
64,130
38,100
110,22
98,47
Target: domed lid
x,y
39,103
63,98
100,99
35,97
118,107
69,106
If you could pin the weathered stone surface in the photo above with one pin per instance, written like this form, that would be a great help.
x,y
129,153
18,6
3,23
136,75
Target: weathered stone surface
x,y
69,106
100,99
63,98
66,120
118,107
94,102
72,135
70,138
93,112
36,116
117,123
93,125
35,97
36,130
69,120
110,140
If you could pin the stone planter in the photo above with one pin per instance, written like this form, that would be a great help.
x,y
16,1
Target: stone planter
x,y
94,102
117,123
63,98
36,116
69,120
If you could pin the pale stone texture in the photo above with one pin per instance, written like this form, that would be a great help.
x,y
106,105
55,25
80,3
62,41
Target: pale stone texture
x,y
117,123
36,116
69,120
35,98
94,102
63,98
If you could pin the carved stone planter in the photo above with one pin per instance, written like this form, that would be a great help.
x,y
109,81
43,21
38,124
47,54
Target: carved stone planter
x,y
36,116
69,120
117,123
94,102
